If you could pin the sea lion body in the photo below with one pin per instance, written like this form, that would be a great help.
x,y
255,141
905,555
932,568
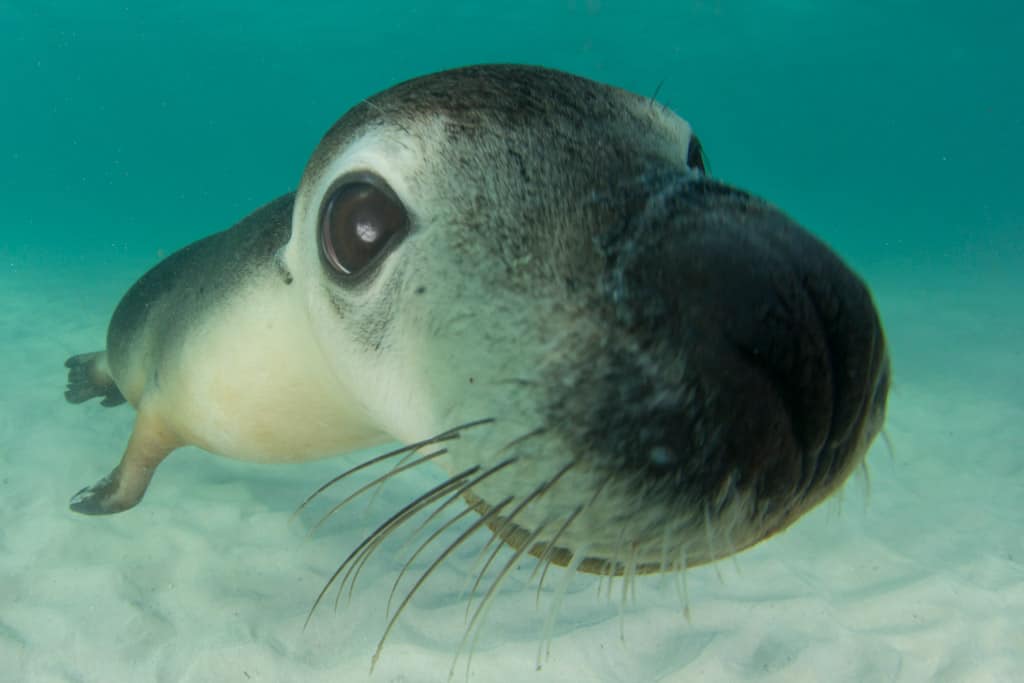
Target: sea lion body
x,y
645,368
213,349
215,339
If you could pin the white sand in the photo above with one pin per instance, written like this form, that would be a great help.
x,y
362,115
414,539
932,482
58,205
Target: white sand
x,y
209,580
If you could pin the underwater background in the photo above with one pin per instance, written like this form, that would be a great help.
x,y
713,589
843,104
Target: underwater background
x,y
893,130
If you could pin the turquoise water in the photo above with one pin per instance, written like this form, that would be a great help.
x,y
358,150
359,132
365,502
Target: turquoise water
x,y
885,126
893,130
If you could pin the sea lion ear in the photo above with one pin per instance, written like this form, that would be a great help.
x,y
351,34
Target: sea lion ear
x,y
695,158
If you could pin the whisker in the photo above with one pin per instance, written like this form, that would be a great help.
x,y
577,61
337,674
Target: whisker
x,y
614,563
550,548
352,470
514,442
510,523
380,535
487,600
543,564
633,564
867,483
628,574
480,574
553,543
682,585
712,554
440,558
454,496
447,435
556,603
395,469
440,530
460,489
665,542
366,487
416,504
399,466
887,440
654,98
835,508
730,547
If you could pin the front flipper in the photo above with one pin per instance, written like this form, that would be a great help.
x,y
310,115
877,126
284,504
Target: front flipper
x,y
124,487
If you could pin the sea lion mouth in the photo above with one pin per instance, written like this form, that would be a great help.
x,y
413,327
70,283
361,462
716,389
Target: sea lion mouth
x,y
522,539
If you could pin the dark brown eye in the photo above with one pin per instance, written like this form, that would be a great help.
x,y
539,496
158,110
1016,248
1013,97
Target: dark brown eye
x,y
358,222
695,155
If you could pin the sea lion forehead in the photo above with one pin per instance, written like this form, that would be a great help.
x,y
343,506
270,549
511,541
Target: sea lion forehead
x,y
519,101
504,92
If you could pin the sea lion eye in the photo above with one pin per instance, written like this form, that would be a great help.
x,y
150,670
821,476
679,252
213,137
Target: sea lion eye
x,y
695,155
359,220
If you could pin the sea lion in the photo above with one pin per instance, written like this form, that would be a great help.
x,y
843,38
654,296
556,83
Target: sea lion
x,y
622,364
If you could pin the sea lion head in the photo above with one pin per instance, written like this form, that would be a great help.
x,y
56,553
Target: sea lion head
x,y
623,364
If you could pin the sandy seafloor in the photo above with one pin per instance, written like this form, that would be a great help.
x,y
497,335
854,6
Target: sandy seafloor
x,y
917,577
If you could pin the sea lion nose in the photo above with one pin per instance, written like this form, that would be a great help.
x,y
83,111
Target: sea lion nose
x,y
772,371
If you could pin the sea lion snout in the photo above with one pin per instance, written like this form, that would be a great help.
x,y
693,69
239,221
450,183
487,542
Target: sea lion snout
x,y
744,369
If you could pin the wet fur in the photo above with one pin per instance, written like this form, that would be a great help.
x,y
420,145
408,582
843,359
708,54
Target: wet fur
x,y
518,338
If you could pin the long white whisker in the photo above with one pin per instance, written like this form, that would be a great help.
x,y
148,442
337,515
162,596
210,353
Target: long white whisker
x,y
352,575
708,534
453,497
556,604
415,505
549,549
447,435
509,523
462,488
366,487
686,584
488,598
440,558
440,530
